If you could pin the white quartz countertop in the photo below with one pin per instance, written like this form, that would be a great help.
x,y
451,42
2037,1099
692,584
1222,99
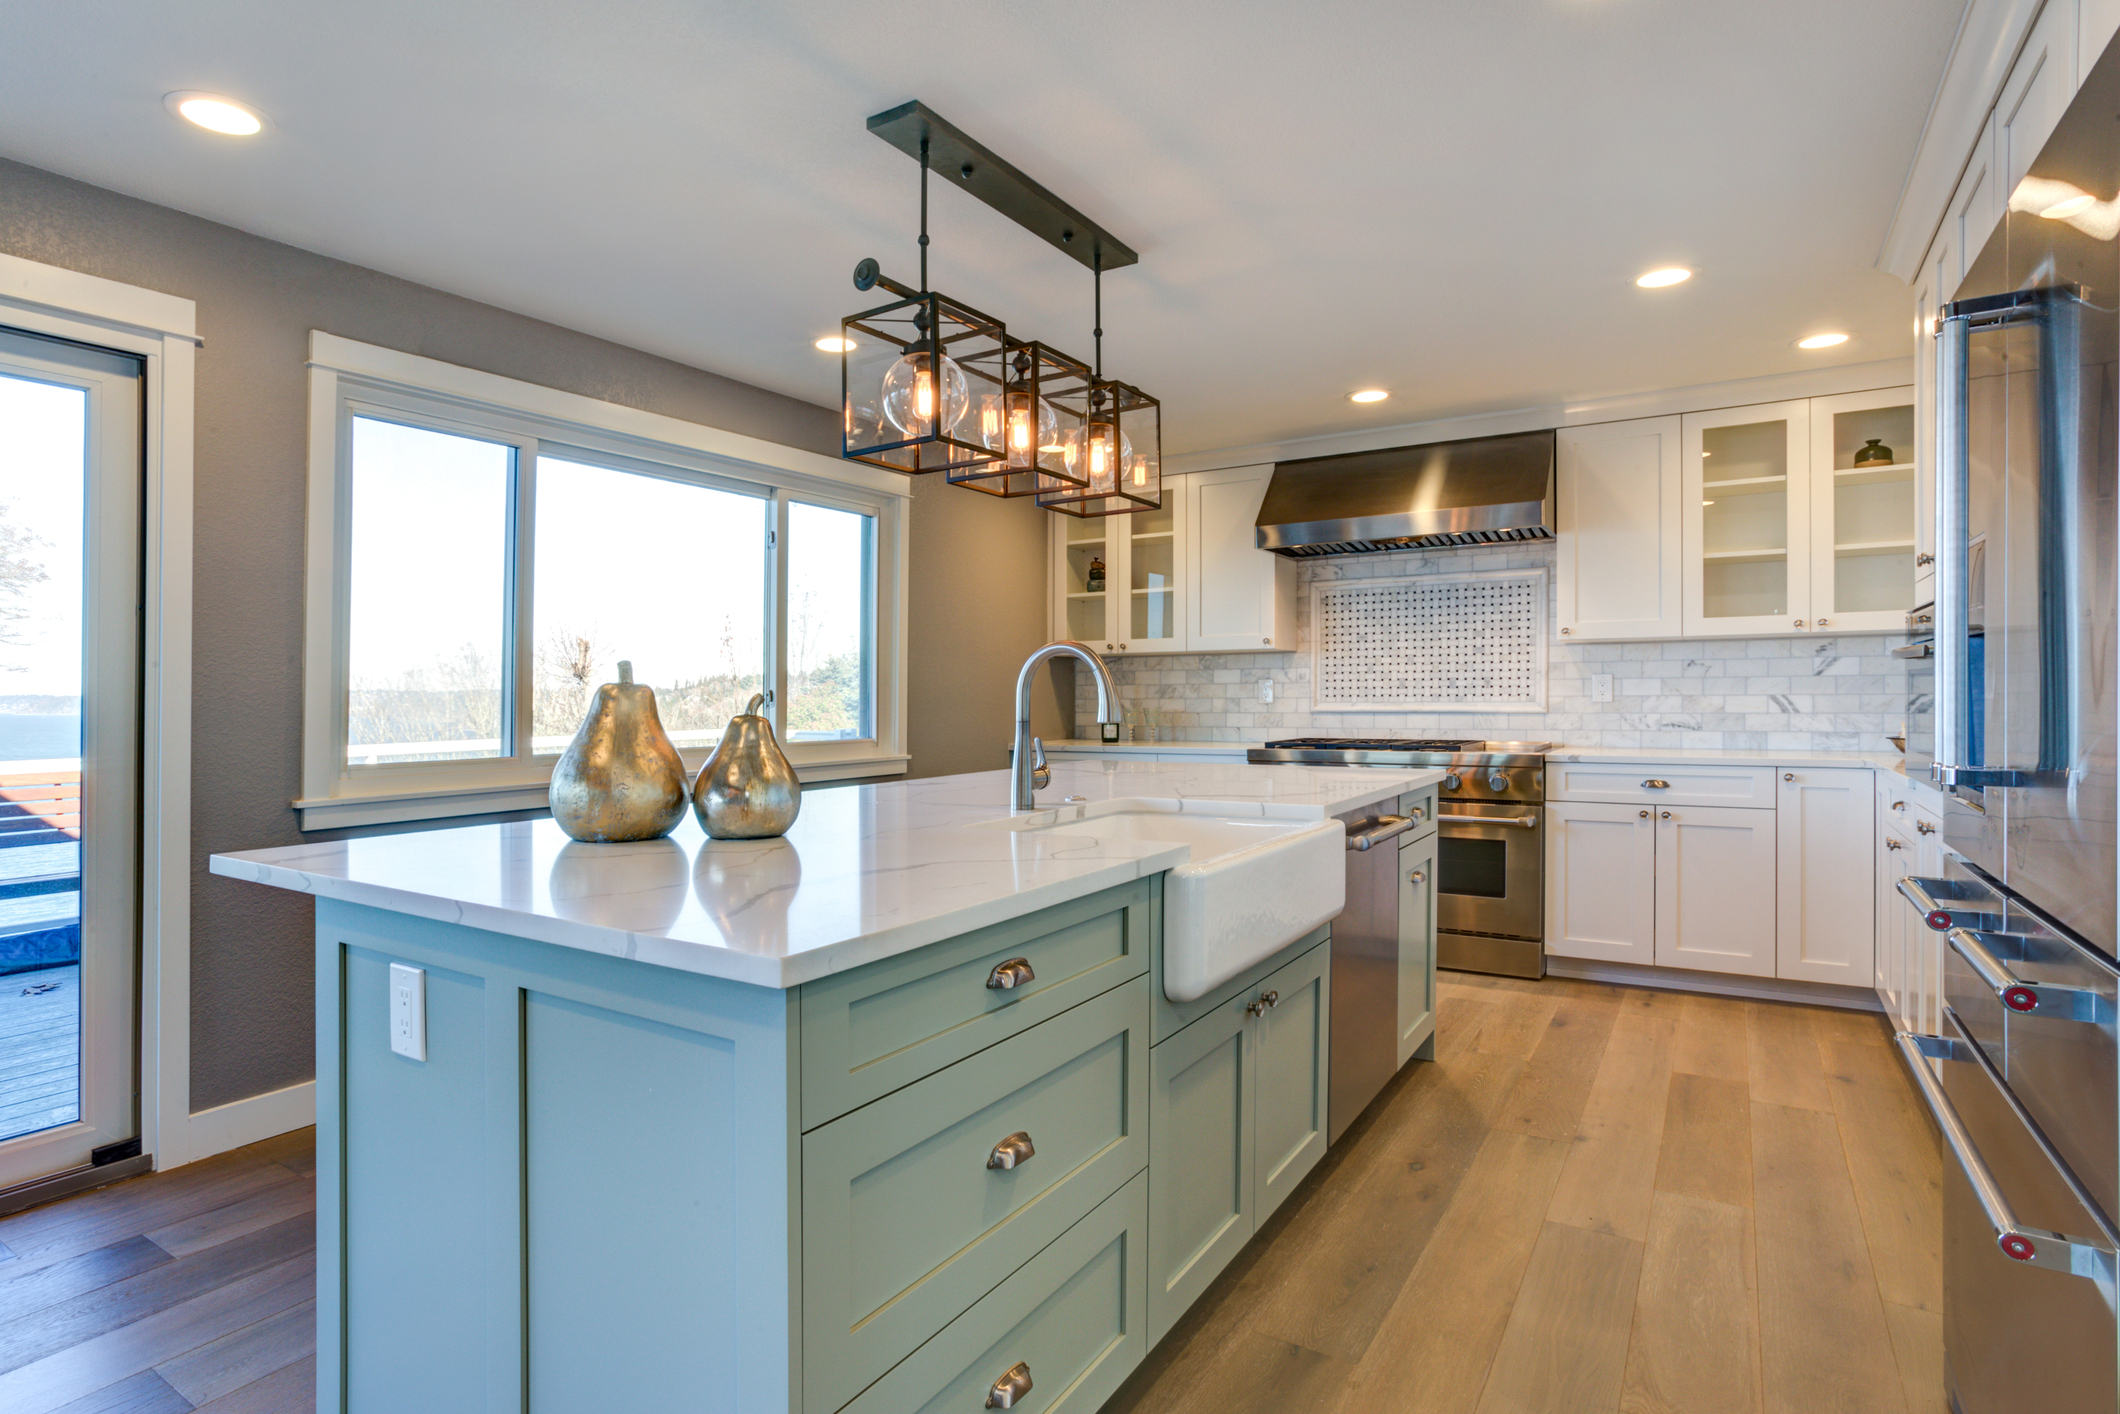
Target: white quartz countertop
x,y
1648,755
866,873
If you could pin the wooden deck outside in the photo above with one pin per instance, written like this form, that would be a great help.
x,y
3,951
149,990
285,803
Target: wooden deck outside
x,y
40,976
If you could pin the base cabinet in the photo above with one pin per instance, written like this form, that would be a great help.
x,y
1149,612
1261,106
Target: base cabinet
x,y
1417,945
1237,1100
1825,883
1715,889
1601,881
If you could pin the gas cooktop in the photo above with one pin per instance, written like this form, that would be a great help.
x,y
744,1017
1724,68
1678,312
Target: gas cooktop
x,y
1399,751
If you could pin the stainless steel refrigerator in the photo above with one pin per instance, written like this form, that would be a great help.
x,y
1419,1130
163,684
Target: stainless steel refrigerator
x,y
2025,1079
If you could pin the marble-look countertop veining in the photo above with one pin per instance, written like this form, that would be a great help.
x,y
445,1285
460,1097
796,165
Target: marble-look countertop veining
x,y
866,873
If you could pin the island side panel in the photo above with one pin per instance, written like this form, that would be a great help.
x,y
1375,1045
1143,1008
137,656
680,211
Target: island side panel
x,y
605,1144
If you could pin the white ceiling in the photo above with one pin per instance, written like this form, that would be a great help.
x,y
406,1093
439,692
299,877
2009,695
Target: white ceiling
x,y
1447,198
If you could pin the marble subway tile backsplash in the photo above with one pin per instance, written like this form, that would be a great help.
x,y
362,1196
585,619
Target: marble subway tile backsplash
x,y
1802,693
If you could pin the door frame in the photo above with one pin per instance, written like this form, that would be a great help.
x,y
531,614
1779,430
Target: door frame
x,y
160,329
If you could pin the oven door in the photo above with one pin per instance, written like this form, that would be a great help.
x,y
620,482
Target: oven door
x,y
1490,870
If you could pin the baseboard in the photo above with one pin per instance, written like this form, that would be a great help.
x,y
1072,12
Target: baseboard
x,y
1721,984
241,1122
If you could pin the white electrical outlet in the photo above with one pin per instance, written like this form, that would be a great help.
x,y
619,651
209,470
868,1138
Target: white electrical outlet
x,y
1601,687
408,1010
1266,689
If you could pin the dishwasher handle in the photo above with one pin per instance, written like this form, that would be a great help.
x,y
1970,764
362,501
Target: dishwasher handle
x,y
2034,998
2020,1243
1387,827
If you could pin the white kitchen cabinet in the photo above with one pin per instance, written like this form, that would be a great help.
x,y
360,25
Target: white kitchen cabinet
x,y
1715,887
1745,505
1825,876
1187,578
1618,525
1863,518
2096,20
1601,881
1241,599
1975,210
2039,88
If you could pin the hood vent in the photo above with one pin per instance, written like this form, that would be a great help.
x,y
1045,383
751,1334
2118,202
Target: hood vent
x,y
1440,496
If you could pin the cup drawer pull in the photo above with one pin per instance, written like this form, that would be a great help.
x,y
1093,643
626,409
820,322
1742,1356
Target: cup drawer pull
x,y
1013,1152
1653,784
1015,1382
1009,975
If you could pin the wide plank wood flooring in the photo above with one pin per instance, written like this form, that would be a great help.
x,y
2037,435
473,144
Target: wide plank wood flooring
x,y
188,1290
1596,1200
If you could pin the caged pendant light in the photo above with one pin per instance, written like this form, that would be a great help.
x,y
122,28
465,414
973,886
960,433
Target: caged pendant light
x,y
928,383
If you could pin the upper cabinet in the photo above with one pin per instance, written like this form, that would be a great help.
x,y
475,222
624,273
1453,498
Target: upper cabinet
x,y
1617,494
1740,522
1187,578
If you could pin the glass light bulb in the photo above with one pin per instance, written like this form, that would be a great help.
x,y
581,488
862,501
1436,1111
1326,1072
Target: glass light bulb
x,y
911,395
1029,437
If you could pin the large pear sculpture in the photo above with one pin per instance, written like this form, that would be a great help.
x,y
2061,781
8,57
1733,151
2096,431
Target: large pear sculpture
x,y
747,790
620,778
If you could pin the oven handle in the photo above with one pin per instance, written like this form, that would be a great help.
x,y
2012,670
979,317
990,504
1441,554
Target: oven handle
x,y
2033,1245
1529,822
1386,827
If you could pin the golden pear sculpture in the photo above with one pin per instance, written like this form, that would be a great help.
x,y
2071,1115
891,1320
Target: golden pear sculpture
x,y
747,790
620,779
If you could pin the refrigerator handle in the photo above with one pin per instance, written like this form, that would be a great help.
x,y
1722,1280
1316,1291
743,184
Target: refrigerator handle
x,y
2031,1245
2022,996
1953,477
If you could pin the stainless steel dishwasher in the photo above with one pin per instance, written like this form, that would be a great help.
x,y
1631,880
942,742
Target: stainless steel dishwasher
x,y
1365,965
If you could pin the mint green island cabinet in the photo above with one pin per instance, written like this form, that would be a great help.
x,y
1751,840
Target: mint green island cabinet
x,y
572,1159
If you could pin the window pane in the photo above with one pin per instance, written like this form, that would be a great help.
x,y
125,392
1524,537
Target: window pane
x,y
427,656
830,672
669,575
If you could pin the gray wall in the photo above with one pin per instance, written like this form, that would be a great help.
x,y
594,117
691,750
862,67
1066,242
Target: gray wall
x,y
977,565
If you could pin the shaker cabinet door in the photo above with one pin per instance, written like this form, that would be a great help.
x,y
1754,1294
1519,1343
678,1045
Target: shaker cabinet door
x,y
1292,1034
1202,1198
1241,599
1416,945
1617,506
1827,888
1715,889
1601,881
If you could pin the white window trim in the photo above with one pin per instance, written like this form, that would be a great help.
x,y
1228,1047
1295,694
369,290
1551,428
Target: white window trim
x,y
343,372
162,330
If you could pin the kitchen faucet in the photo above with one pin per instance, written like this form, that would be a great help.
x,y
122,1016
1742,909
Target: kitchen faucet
x,y
1027,768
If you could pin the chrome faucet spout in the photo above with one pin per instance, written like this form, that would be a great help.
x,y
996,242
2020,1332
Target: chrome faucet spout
x,y
1022,767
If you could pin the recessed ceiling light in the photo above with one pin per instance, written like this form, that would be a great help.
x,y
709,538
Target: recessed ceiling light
x,y
1671,275
832,343
1821,341
215,112
1368,395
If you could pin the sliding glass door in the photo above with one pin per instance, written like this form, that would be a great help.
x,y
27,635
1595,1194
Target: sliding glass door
x,y
70,494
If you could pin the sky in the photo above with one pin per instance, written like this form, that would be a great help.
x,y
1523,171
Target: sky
x,y
43,449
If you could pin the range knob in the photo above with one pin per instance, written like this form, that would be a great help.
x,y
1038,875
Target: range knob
x,y
1453,782
1497,782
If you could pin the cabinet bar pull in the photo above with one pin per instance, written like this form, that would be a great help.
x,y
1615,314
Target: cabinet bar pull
x,y
1013,1152
1385,828
1009,975
1015,1382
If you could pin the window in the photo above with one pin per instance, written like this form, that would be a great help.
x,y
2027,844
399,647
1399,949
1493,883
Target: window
x,y
484,553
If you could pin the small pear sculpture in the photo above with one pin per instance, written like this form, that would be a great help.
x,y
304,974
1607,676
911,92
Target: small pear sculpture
x,y
747,790
620,779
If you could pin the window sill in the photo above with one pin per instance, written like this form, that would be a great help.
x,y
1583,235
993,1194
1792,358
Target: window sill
x,y
349,811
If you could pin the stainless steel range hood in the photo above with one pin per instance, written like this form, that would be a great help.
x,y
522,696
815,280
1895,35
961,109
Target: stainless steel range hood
x,y
1480,491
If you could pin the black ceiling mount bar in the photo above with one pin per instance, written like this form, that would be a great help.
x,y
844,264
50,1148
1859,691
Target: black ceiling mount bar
x,y
912,127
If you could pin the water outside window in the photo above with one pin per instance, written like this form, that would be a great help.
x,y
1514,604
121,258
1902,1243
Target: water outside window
x,y
43,451
667,574
831,671
429,553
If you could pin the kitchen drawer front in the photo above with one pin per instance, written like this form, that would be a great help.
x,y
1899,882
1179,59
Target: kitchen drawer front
x,y
1172,1017
1075,1315
1610,783
904,1225
870,1031
1421,805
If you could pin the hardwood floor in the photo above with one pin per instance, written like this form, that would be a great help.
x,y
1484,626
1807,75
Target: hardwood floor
x,y
1597,1200
190,1290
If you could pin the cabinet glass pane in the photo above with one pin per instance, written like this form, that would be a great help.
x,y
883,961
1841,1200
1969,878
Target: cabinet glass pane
x,y
1085,580
1873,511
1153,608
1745,520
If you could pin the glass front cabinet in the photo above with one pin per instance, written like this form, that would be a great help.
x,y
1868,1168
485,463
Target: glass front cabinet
x,y
1121,578
1799,516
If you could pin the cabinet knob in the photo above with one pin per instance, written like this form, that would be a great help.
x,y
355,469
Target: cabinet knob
x,y
1418,876
1259,1005
1823,622
1645,815
1924,827
1788,775
1667,814
1799,623
1007,976
1924,559
1013,1152
1893,844
1267,641
1899,805
1122,648
1567,632
1015,1382
1107,648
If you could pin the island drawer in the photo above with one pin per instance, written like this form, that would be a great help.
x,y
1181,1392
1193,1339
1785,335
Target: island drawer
x,y
907,1220
1074,1316
1653,784
870,1031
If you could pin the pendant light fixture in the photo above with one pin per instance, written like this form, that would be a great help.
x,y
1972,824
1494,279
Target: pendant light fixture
x,y
930,384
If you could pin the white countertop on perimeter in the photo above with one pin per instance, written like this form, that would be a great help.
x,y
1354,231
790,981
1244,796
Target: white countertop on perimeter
x,y
1647,755
866,873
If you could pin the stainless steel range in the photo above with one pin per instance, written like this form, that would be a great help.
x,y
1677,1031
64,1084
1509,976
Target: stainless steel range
x,y
1491,858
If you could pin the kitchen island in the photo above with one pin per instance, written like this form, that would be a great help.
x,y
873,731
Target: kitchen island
x,y
833,1121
